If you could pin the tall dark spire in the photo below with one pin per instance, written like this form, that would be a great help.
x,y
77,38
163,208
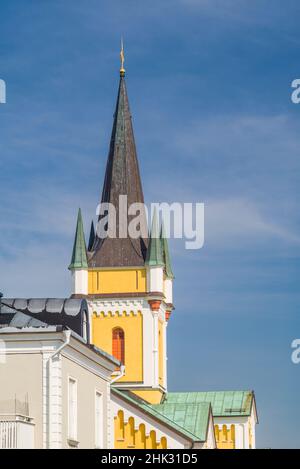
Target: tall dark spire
x,y
122,177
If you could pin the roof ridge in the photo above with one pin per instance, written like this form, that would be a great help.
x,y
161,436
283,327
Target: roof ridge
x,y
224,403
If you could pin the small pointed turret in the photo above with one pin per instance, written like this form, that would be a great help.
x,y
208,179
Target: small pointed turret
x,y
165,253
79,257
92,237
154,252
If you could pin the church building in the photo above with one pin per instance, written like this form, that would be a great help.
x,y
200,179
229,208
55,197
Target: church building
x,y
128,286
90,370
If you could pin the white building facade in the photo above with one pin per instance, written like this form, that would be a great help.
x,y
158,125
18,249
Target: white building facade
x,y
66,388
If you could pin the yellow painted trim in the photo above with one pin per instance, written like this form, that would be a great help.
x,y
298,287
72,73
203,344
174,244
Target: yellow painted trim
x,y
225,438
127,436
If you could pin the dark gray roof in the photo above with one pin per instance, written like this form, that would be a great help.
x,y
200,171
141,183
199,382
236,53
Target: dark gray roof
x,y
69,306
66,312
21,320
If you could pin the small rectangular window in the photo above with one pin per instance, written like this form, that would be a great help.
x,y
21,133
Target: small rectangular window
x,y
98,420
72,409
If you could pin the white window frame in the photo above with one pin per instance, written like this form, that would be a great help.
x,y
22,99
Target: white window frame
x,y
99,423
74,436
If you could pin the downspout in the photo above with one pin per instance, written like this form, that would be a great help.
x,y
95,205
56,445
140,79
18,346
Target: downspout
x,y
67,336
120,375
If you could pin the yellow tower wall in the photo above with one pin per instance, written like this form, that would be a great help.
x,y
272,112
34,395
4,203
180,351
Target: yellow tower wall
x,y
117,281
132,325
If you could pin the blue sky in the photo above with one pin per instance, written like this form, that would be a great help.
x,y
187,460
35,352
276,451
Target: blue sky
x,y
209,83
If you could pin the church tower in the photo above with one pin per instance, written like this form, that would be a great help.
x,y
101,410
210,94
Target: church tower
x,y
127,281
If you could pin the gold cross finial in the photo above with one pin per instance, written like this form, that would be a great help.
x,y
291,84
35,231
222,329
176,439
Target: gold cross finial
x,y
122,57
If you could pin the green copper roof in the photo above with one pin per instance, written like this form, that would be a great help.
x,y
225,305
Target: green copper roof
x,y
165,252
224,403
79,258
154,252
191,420
194,418
92,237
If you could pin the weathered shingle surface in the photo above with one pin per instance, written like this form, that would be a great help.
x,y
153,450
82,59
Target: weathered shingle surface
x,y
122,177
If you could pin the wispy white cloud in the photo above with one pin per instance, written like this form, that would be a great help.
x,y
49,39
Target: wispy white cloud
x,y
238,220
244,168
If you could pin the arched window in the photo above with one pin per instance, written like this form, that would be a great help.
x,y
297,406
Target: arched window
x,y
118,344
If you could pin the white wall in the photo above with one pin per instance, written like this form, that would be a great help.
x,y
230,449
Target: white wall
x,y
29,369
79,282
